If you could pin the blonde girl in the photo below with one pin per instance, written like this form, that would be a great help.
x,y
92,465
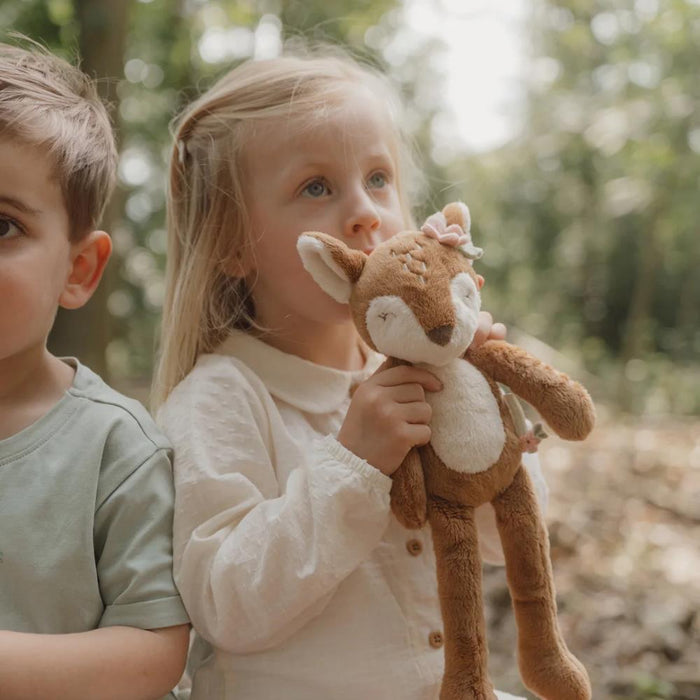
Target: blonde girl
x,y
299,582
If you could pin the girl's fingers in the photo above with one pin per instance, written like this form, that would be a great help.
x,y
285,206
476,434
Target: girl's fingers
x,y
498,331
407,374
418,433
483,329
415,413
407,393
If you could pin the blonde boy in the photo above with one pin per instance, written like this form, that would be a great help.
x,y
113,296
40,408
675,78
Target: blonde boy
x,y
88,608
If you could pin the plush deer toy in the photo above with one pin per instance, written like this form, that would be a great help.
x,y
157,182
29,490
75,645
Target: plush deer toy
x,y
416,299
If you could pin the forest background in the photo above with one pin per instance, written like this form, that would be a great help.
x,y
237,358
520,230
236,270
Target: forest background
x,y
589,216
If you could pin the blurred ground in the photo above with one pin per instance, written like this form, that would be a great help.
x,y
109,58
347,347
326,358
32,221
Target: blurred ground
x,y
624,522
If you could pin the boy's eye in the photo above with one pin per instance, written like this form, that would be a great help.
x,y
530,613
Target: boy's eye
x,y
315,188
377,180
9,229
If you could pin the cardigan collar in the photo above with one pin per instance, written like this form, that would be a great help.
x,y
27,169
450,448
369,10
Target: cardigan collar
x,y
309,387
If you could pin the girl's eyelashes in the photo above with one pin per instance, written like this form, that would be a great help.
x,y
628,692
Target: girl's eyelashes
x,y
9,228
315,188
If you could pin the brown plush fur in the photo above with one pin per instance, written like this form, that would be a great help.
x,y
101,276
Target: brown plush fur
x,y
419,270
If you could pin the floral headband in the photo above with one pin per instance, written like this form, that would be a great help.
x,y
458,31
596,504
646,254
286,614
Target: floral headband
x,y
454,235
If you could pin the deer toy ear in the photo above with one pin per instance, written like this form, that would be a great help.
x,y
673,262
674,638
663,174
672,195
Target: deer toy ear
x,y
458,213
334,266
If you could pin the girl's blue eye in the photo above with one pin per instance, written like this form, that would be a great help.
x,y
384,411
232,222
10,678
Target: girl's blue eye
x,y
8,228
315,188
377,180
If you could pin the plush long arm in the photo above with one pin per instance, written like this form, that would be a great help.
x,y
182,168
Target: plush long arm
x,y
563,403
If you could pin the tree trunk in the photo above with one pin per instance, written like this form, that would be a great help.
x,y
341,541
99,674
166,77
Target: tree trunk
x,y
687,318
85,332
638,334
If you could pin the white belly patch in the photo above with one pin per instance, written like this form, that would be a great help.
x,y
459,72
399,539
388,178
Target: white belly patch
x,y
467,430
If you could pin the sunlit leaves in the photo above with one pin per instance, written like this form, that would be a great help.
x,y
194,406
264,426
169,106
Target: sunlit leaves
x,y
603,187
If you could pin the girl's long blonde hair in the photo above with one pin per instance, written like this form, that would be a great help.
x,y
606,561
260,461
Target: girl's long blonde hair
x,y
207,214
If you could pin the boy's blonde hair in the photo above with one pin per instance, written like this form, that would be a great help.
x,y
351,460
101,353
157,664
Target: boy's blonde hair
x,y
207,214
48,104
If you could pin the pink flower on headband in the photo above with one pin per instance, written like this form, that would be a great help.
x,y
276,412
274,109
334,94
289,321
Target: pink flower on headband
x,y
454,235
436,226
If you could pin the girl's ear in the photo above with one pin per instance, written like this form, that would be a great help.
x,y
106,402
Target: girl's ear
x,y
334,266
88,259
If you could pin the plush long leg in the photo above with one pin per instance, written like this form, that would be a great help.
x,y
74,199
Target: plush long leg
x,y
408,497
547,667
459,586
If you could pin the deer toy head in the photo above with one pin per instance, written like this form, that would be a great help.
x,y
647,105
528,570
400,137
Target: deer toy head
x,y
415,297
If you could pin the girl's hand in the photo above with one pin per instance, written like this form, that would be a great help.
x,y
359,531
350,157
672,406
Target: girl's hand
x,y
388,415
488,330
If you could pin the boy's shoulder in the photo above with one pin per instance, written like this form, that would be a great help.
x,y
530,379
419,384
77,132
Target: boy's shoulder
x,y
114,434
114,429
107,412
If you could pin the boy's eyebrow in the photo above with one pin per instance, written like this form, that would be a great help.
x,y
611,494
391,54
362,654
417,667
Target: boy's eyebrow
x,y
18,204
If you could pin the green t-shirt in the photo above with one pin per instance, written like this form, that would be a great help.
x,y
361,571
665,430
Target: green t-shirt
x,y
86,508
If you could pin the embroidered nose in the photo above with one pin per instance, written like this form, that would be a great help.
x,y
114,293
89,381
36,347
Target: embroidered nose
x,y
441,335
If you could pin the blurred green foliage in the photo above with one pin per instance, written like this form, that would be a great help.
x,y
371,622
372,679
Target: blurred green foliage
x,y
589,218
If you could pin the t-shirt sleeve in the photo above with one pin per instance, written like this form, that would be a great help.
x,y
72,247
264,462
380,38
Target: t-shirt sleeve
x,y
133,549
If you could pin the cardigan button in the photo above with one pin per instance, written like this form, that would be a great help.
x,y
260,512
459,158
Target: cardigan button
x,y
435,640
414,547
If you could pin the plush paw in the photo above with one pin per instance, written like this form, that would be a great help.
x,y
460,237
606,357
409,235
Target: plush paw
x,y
556,675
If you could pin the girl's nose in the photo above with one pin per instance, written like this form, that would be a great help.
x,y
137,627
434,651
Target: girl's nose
x,y
363,218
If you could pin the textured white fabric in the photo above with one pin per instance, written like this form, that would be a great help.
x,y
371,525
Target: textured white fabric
x,y
286,554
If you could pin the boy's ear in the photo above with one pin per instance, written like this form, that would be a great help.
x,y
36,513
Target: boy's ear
x,y
333,265
88,259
